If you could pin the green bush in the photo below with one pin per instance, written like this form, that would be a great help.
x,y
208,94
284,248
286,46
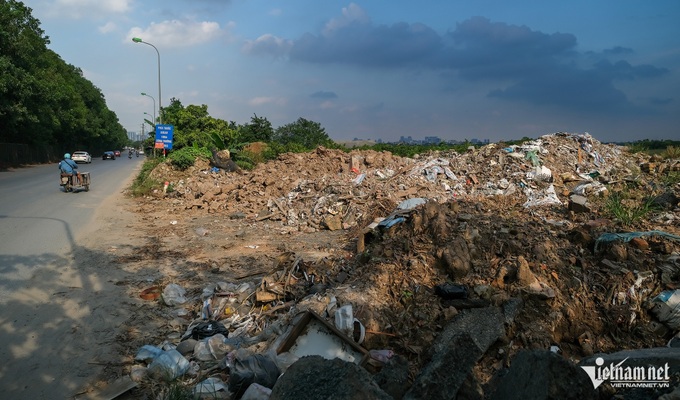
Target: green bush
x,y
186,156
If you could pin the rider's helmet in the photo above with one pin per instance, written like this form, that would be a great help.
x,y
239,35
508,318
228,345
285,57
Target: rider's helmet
x,y
67,155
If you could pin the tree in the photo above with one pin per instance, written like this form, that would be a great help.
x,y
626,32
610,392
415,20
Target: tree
x,y
308,134
258,130
194,126
44,100
21,43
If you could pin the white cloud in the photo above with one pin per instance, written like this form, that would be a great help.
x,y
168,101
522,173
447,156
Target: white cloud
x,y
327,105
77,9
350,14
258,101
267,44
177,33
108,27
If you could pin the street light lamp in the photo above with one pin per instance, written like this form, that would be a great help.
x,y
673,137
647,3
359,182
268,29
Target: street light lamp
x,y
154,107
149,114
138,40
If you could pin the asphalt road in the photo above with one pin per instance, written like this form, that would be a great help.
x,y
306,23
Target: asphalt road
x,y
44,294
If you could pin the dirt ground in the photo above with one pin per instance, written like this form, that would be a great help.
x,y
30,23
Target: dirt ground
x,y
294,233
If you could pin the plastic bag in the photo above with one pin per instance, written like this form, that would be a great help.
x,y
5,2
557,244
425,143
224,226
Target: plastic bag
x,y
148,353
173,295
202,351
207,329
256,392
285,360
667,308
210,386
257,368
344,320
450,291
169,365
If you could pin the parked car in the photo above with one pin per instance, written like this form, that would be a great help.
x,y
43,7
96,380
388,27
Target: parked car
x,y
109,155
81,156
117,153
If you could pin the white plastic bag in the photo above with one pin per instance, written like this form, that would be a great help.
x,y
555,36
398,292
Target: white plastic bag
x,y
173,295
344,320
667,308
169,365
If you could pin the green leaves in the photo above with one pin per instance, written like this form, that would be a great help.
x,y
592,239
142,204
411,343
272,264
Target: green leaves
x,y
307,134
42,98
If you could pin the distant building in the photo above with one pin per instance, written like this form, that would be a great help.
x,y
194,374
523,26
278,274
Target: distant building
x,y
477,141
432,140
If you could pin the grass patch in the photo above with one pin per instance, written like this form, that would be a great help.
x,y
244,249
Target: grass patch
x,y
671,153
670,179
626,210
143,184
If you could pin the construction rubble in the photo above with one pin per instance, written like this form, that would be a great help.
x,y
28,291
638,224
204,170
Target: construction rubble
x,y
502,272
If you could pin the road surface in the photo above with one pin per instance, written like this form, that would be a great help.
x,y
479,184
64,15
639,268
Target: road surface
x,y
57,316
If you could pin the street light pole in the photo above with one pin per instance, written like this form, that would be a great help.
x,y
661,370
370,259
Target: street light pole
x,y
154,107
138,40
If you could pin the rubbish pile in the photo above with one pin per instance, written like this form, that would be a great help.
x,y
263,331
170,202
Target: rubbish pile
x,y
392,270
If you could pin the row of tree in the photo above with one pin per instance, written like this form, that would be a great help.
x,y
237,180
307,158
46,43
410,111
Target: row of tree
x,y
194,127
44,100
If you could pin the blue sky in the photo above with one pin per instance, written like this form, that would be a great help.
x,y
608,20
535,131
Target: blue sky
x,y
384,69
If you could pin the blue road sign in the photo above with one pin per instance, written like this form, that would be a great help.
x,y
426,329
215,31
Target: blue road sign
x,y
164,135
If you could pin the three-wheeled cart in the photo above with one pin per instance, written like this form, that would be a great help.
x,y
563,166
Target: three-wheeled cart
x,y
70,182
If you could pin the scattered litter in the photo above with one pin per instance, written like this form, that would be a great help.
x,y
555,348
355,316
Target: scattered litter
x,y
438,217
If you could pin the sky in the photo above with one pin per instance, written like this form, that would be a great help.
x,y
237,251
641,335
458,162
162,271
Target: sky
x,y
378,69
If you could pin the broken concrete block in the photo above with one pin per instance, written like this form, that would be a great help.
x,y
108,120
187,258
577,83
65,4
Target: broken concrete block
x,y
543,375
456,351
333,222
314,377
393,377
578,203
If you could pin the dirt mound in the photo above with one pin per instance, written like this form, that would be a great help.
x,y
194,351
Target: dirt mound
x,y
520,227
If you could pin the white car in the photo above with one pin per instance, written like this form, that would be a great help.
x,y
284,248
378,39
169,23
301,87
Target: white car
x,y
81,156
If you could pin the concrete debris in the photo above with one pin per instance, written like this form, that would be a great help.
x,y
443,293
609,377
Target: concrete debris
x,y
559,243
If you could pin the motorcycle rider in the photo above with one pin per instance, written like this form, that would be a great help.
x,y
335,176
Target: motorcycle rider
x,y
69,167
130,153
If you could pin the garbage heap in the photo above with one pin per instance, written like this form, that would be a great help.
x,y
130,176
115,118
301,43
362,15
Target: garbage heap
x,y
465,269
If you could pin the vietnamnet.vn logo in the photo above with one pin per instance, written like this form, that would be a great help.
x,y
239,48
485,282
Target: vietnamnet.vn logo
x,y
620,376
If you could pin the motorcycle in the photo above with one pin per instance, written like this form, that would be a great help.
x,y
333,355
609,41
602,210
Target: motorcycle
x,y
70,183
130,156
